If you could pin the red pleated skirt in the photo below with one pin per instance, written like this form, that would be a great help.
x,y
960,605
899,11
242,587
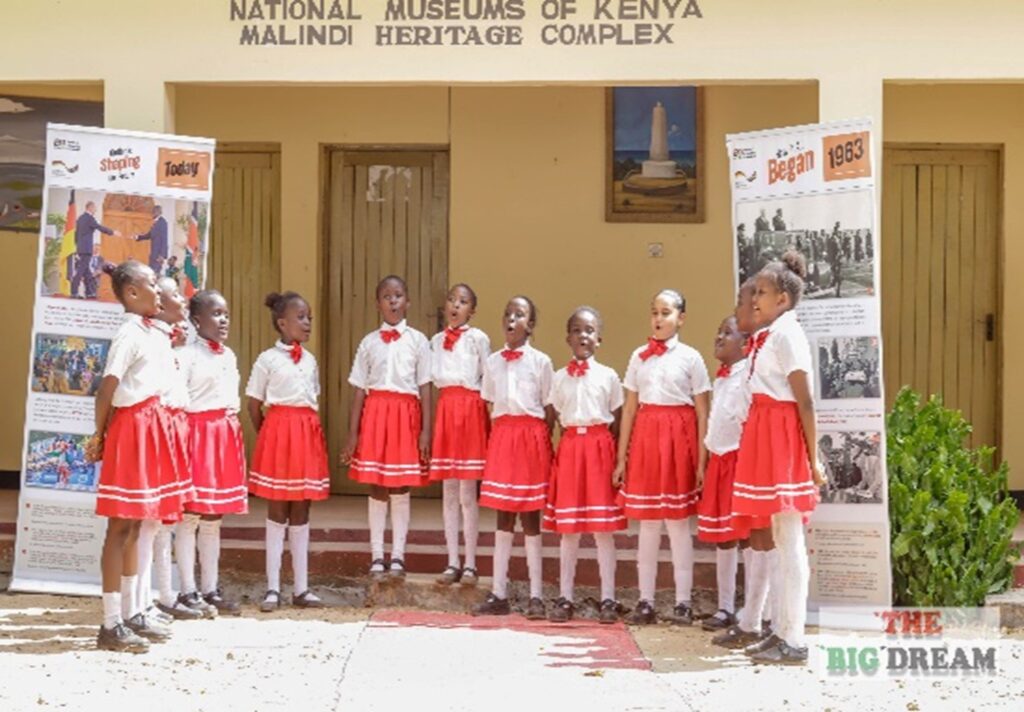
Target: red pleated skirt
x,y
518,465
218,463
580,496
661,473
714,511
773,473
388,453
289,462
460,435
139,475
182,436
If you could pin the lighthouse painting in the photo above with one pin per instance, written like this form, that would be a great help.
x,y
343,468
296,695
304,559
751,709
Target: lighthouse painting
x,y
654,155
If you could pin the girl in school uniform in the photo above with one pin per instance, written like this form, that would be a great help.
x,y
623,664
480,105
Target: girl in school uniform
x,y
389,428
729,405
217,451
588,398
776,483
141,460
155,536
517,382
289,463
458,356
661,460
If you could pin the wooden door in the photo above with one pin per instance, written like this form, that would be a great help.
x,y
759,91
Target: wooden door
x,y
940,279
130,215
387,213
244,262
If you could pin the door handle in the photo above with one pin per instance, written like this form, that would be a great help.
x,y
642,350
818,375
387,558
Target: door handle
x,y
990,327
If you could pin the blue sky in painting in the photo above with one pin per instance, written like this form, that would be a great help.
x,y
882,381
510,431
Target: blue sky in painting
x,y
633,107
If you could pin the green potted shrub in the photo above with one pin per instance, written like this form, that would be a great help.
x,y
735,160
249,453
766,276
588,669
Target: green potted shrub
x,y
950,511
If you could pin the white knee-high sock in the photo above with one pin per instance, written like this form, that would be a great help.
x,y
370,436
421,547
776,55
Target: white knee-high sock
x,y
275,549
502,554
773,603
129,591
726,561
450,512
185,551
111,609
378,512
535,565
401,510
147,537
789,540
162,565
681,540
209,553
606,563
568,552
647,557
756,590
746,553
470,519
298,544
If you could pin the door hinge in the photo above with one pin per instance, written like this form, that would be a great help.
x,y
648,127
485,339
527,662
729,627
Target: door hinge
x,y
990,327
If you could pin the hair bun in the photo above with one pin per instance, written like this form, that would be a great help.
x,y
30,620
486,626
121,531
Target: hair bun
x,y
272,299
108,268
796,263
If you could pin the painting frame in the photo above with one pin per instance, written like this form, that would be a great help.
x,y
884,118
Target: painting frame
x,y
612,211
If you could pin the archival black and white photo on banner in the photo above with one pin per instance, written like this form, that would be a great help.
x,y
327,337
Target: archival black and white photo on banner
x,y
840,247
848,367
853,467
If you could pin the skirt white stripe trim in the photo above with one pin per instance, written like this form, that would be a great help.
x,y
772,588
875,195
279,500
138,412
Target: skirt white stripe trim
x,y
718,530
612,508
511,498
181,484
775,495
695,494
583,520
452,461
381,467
775,487
239,498
504,485
215,490
264,481
134,500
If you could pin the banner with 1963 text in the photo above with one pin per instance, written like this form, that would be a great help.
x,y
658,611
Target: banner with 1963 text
x,y
813,189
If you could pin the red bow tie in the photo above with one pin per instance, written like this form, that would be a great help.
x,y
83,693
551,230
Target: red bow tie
x,y
218,348
758,342
578,368
390,335
511,356
295,351
451,337
176,333
654,348
723,371
147,322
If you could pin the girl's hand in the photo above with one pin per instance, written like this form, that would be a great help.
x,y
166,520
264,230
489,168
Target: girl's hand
x,y
700,476
425,447
349,451
817,476
619,475
94,448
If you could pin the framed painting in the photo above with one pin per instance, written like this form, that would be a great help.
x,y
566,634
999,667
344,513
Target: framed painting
x,y
654,154
23,122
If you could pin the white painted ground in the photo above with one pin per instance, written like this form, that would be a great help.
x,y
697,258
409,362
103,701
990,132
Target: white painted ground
x,y
308,665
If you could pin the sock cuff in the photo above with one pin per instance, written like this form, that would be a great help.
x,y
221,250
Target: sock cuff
x,y
298,528
378,503
276,526
208,524
400,497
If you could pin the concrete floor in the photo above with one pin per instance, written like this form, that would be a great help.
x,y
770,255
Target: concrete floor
x,y
356,659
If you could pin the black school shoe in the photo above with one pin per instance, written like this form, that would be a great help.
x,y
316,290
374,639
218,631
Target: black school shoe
x,y
721,620
493,606
643,614
562,612
768,641
682,614
782,653
735,638
120,639
609,611
535,610
150,630
223,605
